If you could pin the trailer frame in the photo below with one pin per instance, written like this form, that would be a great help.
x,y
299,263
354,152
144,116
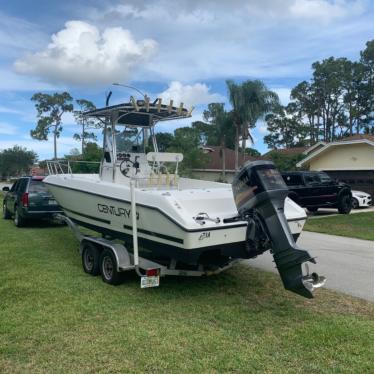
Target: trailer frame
x,y
128,261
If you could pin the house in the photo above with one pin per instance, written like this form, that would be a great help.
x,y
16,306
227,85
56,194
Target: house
x,y
351,160
213,169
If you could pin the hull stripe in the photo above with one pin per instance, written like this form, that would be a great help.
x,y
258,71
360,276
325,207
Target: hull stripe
x,y
162,236
87,216
152,233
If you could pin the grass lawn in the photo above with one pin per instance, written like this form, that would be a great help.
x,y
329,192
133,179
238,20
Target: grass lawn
x,y
55,318
358,225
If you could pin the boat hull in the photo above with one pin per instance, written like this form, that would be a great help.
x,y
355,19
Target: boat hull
x,y
159,233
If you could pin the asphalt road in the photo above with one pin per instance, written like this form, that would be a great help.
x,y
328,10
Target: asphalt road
x,y
347,263
324,212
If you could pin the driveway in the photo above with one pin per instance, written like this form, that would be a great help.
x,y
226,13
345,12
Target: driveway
x,y
327,212
347,263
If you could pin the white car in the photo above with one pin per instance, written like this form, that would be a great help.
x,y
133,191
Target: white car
x,y
360,199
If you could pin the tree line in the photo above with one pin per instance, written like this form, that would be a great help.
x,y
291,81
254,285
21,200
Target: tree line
x,y
337,102
51,108
250,100
16,161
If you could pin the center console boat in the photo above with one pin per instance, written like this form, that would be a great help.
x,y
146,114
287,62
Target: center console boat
x,y
185,225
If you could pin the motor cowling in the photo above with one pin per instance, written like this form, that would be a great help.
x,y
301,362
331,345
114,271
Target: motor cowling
x,y
260,192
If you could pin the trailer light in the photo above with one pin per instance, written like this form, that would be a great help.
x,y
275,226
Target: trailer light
x,y
152,272
25,199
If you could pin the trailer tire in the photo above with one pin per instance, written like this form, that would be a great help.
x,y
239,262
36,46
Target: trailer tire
x,y
108,268
91,259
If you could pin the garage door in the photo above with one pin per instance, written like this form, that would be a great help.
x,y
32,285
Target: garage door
x,y
361,180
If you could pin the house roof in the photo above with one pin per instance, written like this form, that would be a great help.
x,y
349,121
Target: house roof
x,y
314,146
286,151
355,139
358,137
215,158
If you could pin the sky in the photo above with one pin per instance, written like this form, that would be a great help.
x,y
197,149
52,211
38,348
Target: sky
x,y
180,49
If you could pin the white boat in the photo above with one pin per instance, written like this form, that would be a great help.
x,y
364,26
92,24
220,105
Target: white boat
x,y
187,222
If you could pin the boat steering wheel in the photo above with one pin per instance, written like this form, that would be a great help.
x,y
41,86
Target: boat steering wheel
x,y
126,169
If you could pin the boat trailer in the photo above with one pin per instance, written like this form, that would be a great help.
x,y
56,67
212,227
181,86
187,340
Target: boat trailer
x,y
111,259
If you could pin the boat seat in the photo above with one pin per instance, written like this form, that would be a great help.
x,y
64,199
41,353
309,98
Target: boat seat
x,y
164,157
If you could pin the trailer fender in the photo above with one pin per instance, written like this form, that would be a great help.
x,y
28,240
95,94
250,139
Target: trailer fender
x,y
122,257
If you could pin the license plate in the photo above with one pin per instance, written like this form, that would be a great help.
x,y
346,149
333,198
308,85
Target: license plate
x,y
52,202
146,282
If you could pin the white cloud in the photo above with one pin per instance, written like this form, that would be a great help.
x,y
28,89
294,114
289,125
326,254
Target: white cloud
x,y
12,35
11,81
81,55
262,129
326,11
170,126
283,93
4,109
190,95
68,119
44,149
8,129
200,40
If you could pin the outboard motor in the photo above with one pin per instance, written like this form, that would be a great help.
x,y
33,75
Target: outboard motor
x,y
260,193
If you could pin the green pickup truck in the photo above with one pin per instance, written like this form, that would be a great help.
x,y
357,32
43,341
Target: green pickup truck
x,y
27,200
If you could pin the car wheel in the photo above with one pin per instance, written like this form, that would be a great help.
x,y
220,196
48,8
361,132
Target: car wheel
x,y
6,214
108,268
312,209
19,221
345,204
91,259
355,203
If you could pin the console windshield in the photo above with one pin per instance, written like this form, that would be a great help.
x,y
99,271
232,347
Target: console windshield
x,y
130,140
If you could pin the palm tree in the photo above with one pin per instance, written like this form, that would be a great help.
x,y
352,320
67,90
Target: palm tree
x,y
84,135
250,101
217,116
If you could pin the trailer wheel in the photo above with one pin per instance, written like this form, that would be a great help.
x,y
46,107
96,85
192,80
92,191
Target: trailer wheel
x,y
108,267
91,259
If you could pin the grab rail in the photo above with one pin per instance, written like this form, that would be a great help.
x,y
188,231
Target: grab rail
x,y
64,166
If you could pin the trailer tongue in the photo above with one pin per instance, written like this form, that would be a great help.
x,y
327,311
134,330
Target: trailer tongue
x,y
260,192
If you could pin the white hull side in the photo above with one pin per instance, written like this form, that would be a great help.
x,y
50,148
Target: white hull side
x,y
165,218
115,215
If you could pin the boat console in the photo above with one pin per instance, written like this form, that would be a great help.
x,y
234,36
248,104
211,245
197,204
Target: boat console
x,y
259,193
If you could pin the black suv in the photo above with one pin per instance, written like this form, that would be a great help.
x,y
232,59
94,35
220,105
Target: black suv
x,y
28,199
315,189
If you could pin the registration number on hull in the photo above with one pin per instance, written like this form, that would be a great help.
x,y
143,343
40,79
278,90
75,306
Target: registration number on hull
x,y
153,281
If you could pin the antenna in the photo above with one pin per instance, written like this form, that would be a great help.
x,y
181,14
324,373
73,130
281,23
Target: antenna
x,y
107,98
